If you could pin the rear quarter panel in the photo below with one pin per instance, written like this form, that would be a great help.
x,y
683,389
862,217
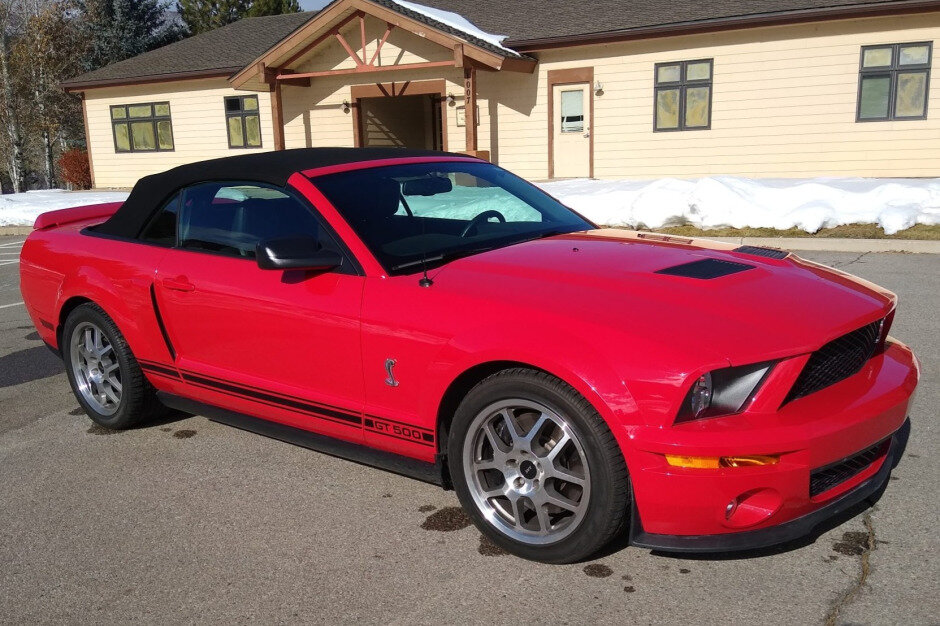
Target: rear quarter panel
x,y
59,265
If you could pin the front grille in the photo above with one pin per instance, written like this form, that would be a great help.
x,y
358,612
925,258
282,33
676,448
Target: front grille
x,y
837,360
825,478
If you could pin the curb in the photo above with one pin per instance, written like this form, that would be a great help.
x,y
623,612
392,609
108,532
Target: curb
x,y
7,231
915,246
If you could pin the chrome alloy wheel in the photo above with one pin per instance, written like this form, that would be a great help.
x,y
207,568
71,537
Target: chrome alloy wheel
x,y
527,471
95,368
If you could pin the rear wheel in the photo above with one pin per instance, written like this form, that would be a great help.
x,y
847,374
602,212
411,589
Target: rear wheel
x,y
536,467
103,373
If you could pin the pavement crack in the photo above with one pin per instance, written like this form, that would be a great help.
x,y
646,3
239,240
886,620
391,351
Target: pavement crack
x,y
864,571
853,261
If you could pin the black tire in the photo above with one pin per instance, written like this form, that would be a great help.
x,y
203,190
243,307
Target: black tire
x,y
138,402
608,508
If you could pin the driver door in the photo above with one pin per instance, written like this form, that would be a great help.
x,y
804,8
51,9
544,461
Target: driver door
x,y
281,345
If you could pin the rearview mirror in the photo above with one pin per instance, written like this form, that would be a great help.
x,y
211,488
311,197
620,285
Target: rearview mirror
x,y
426,186
296,253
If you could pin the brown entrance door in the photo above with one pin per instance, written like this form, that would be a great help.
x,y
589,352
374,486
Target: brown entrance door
x,y
401,121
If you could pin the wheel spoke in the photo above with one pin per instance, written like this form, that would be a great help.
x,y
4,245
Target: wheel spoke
x,y
545,524
110,393
89,342
534,431
558,447
512,427
499,446
115,384
564,474
550,496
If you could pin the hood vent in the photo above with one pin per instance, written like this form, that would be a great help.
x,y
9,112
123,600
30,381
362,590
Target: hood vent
x,y
770,253
706,269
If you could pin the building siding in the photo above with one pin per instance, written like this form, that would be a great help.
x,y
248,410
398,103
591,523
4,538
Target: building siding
x,y
199,132
783,105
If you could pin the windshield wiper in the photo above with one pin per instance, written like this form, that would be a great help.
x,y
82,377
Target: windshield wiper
x,y
446,257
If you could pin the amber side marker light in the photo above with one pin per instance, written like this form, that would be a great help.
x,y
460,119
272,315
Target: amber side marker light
x,y
714,462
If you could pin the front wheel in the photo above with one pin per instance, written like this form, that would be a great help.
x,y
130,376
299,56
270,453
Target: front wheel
x,y
536,468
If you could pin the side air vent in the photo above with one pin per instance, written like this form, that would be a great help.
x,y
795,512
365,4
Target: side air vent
x,y
770,253
706,269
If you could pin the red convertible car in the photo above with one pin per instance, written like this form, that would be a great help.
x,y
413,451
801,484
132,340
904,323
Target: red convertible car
x,y
435,315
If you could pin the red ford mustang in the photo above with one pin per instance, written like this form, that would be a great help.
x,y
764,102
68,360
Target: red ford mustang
x,y
435,315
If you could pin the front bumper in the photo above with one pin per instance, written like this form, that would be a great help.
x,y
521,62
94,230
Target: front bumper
x,y
771,535
703,510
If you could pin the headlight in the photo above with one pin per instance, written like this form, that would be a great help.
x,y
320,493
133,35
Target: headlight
x,y
722,392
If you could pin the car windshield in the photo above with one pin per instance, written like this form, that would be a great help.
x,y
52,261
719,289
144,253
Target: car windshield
x,y
426,214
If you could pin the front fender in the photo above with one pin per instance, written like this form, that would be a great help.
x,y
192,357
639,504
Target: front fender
x,y
559,353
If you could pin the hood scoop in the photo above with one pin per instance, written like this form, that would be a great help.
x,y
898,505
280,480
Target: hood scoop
x,y
770,253
706,269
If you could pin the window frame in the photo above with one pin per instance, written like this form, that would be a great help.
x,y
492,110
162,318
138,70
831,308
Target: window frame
x,y
683,84
351,264
152,119
241,113
891,72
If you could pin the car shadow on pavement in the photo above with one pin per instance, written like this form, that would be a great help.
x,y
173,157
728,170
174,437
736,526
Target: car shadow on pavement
x,y
901,439
28,365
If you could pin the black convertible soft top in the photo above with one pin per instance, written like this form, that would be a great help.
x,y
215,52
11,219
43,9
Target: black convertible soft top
x,y
265,167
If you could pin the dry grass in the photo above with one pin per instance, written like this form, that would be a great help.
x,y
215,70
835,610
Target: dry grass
x,y
848,231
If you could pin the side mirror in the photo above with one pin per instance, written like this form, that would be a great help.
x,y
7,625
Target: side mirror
x,y
296,253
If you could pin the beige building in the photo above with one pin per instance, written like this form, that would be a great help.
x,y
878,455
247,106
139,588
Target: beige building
x,y
759,88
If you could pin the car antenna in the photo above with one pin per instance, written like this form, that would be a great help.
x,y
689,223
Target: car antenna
x,y
425,279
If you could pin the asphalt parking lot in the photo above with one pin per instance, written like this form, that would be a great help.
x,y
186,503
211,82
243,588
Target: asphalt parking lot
x,y
192,521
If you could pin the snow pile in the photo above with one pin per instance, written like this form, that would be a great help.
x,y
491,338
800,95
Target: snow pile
x,y
807,204
458,22
22,209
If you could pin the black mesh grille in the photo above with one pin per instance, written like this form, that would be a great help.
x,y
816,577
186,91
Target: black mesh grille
x,y
825,478
706,269
837,360
770,253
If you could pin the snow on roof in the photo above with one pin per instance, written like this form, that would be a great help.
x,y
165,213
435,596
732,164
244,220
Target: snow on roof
x,y
457,22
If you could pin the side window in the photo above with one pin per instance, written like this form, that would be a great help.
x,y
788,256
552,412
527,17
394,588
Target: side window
x,y
161,230
893,82
243,122
232,218
683,95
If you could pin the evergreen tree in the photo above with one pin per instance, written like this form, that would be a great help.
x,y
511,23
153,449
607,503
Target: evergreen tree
x,y
260,8
203,15
119,29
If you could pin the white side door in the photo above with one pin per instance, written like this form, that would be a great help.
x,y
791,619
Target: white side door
x,y
572,133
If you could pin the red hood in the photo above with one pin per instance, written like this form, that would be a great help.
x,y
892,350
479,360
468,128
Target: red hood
x,y
608,277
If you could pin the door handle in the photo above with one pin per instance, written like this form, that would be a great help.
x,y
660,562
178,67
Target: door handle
x,y
180,283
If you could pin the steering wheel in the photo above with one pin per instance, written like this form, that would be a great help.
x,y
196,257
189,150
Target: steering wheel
x,y
480,219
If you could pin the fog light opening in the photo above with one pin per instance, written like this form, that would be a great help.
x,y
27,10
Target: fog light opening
x,y
752,507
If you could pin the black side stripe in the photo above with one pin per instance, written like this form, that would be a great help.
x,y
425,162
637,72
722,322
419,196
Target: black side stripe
x,y
156,368
156,311
373,423
321,406
267,397
278,405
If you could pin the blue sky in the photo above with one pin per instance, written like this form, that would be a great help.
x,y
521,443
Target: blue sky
x,y
311,5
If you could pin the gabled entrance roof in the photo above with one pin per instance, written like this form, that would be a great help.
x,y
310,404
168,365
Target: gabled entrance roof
x,y
325,27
